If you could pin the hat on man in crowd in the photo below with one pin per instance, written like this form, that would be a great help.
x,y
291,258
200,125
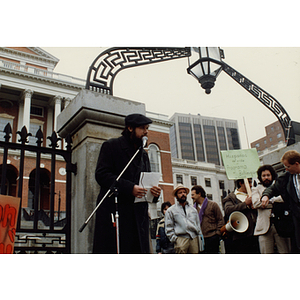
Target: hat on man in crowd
x,y
179,187
136,120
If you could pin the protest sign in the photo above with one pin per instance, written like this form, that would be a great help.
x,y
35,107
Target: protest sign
x,y
9,208
240,164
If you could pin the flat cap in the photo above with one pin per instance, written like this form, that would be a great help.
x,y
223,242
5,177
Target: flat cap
x,y
136,120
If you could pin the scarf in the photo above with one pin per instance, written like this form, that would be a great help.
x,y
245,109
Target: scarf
x,y
202,209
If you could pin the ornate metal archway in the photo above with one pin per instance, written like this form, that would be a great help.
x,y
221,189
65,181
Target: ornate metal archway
x,y
109,63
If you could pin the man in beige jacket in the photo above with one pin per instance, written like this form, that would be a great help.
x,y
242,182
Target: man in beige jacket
x,y
265,228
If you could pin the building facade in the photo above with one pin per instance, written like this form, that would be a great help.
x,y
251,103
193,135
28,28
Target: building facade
x,y
196,145
32,95
273,139
199,138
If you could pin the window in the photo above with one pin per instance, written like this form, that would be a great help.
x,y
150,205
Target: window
x,y
222,139
3,123
154,157
179,179
207,182
257,145
44,189
37,111
211,144
209,196
186,141
33,129
11,180
279,135
193,180
233,138
199,142
221,184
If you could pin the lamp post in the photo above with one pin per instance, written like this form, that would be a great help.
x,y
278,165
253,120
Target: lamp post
x,y
205,64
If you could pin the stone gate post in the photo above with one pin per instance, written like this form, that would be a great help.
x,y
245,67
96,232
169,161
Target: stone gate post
x,y
90,118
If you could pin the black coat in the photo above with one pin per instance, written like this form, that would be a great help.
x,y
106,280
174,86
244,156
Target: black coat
x,y
231,203
284,186
133,217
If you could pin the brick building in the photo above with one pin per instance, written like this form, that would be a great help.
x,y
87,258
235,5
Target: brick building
x,y
274,137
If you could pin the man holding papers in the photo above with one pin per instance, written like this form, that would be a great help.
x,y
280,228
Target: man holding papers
x,y
133,221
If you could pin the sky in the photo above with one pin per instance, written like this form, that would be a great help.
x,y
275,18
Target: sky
x,y
259,38
166,88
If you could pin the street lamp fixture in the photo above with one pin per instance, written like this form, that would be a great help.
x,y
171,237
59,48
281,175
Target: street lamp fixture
x,y
205,64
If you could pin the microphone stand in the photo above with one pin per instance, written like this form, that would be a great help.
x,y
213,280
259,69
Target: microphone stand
x,y
114,190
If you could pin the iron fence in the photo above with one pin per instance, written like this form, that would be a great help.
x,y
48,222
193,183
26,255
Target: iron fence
x,y
39,230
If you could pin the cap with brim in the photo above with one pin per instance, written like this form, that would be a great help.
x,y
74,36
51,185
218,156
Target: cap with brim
x,y
179,187
136,120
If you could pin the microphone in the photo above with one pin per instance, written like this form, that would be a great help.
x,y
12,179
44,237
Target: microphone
x,y
144,139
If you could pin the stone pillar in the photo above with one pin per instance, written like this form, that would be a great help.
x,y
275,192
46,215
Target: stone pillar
x,y
90,118
57,110
26,112
67,101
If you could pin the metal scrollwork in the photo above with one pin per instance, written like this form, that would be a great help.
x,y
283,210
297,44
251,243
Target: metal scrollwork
x,y
109,63
105,67
265,98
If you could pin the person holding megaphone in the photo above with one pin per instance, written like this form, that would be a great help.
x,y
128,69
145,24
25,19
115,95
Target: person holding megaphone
x,y
241,218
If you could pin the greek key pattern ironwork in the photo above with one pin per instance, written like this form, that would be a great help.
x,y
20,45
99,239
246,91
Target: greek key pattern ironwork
x,y
28,243
106,66
265,98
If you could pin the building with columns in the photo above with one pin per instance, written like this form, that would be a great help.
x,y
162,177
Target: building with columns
x,y
32,95
31,90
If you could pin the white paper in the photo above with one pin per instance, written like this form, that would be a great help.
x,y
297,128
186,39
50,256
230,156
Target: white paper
x,y
147,181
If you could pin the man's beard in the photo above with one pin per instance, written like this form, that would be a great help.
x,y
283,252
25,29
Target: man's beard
x,y
137,141
182,199
266,183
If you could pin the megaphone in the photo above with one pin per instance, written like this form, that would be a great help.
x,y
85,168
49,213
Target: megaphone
x,y
237,222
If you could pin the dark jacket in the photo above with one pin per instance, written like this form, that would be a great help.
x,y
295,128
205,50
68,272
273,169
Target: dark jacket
x,y
284,186
163,245
231,203
134,220
212,220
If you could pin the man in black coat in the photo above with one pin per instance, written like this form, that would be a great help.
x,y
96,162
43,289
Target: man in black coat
x,y
287,185
239,200
134,219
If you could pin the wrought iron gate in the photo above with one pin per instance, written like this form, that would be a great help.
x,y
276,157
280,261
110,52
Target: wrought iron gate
x,y
39,230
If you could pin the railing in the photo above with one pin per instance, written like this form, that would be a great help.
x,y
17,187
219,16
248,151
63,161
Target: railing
x,y
38,230
41,72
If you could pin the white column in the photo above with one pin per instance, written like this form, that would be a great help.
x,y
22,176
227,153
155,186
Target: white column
x,y
67,102
21,113
49,120
26,111
57,109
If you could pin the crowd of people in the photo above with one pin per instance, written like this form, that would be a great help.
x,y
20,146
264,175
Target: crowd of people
x,y
270,209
